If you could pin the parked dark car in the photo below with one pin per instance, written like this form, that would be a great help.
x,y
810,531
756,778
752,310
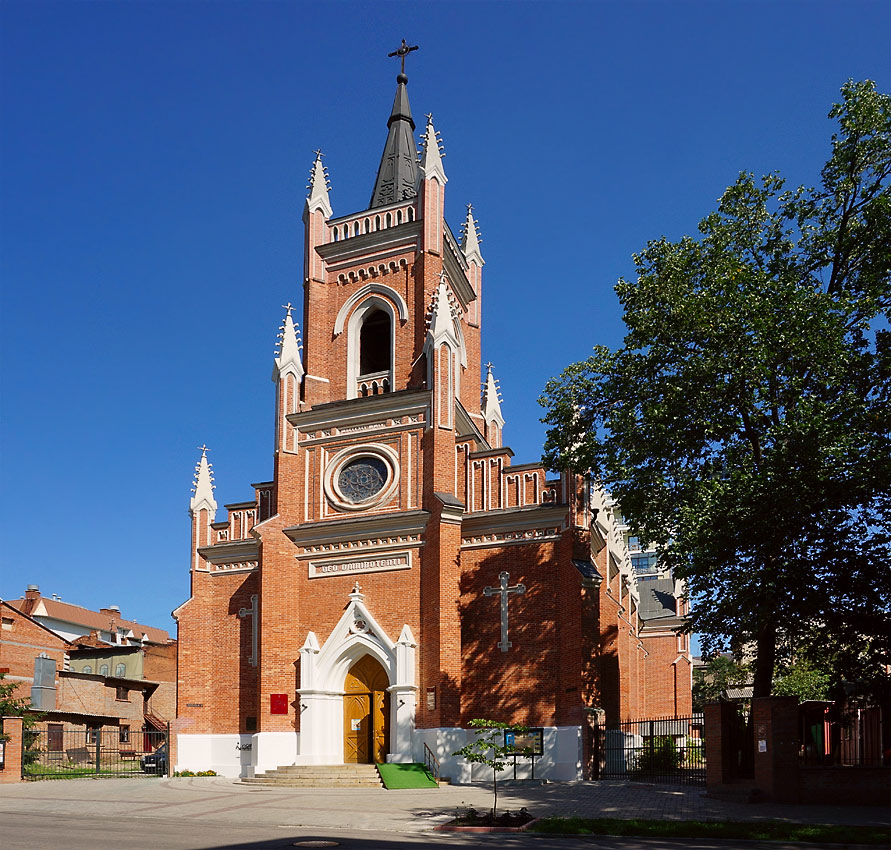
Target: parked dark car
x,y
155,762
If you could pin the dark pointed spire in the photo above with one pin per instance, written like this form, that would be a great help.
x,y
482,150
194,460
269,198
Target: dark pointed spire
x,y
397,175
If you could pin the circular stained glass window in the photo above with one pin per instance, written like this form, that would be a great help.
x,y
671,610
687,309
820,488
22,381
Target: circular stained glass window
x,y
362,478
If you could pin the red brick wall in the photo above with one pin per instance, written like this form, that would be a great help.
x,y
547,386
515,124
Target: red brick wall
x,y
217,686
668,689
89,694
21,641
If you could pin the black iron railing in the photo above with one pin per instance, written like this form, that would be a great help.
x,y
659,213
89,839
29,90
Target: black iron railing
x,y
67,750
431,763
653,749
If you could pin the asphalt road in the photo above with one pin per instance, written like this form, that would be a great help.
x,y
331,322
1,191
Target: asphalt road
x,y
45,831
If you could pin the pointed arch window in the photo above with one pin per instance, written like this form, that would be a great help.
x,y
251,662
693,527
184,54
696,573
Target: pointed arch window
x,y
371,348
374,343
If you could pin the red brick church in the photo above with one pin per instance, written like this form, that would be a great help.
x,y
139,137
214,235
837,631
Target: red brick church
x,y
400,575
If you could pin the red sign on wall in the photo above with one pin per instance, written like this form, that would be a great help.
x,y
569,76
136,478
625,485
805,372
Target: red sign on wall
x,y
278,703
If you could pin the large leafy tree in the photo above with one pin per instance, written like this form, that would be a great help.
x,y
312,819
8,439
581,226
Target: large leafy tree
x,y
744,424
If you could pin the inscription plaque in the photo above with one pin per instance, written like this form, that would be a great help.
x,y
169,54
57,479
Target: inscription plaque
x,y
389,561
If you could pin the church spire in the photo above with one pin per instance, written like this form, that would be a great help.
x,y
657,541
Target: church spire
x,y
397,175
203,487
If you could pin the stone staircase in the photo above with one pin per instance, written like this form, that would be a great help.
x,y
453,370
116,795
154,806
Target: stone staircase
x,y
320,776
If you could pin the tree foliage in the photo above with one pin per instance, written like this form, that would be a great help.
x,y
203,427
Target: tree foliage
x,y
13,706
711,681
744,424
804,680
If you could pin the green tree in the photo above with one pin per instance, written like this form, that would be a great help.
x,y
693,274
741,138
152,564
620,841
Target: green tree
x,y
13,706
744,424
488,748
804,680
712,679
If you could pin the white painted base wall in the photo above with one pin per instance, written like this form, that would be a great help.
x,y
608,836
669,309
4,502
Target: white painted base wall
x,y
236,755
246,755
561,762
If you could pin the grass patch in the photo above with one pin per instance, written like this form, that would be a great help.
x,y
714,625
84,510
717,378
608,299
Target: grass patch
x,y
765,831
405,776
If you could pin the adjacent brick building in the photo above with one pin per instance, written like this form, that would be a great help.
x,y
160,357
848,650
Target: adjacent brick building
x,y
400,575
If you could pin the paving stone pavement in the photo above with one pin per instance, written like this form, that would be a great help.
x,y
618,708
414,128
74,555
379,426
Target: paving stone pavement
x,y
222,800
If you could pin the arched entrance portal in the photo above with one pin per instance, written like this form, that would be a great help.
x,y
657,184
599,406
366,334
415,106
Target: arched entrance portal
x,y
366,713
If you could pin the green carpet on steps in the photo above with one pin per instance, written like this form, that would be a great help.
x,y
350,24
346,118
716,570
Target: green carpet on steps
x,y
405,776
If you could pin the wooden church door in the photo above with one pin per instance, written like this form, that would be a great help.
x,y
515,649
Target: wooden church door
x,y
366,713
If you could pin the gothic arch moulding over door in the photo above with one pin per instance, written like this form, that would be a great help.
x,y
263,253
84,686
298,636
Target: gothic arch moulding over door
x,y
366,713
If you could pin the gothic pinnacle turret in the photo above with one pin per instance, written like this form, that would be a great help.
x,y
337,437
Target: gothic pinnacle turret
x,y
470,237
203,486
431,154
491,409
397,175
319,186
288,354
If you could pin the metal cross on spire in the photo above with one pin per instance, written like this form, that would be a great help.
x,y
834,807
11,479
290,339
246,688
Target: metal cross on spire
x,y
203,449
402,52
504,591
289,306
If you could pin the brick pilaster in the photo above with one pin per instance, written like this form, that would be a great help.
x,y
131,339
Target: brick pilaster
x,y
12,764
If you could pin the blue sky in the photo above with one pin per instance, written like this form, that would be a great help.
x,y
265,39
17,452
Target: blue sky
x,y
153,160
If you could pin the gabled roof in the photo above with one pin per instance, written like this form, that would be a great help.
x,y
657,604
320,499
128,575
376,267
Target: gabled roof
x,y
9,604
74,614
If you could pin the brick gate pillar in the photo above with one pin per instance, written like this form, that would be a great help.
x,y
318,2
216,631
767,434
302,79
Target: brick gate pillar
x,y
15,745
720,764
776,748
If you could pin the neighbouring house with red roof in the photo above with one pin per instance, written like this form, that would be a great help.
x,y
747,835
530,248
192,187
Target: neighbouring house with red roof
x,y
86,669
72,621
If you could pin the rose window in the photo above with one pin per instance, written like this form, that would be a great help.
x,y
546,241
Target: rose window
x,y
362,478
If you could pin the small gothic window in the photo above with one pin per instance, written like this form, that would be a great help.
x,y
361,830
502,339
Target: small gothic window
x,y
398,216
411,214
389,220
103,670
377,222
120,670
88,668
374,343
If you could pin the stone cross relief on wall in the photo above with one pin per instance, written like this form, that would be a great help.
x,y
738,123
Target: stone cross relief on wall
x,y
504,591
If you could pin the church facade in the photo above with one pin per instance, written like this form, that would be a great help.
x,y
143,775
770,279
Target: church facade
x,y
400,575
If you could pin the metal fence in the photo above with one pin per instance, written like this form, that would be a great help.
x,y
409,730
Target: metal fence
x,y
57,752
653,749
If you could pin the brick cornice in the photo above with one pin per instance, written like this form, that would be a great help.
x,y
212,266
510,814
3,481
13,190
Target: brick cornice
x,y
352,528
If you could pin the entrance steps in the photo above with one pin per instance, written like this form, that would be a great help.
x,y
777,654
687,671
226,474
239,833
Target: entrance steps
x,y
320,776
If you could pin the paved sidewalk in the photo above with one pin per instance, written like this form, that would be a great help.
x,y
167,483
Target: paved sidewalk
x,y
221,800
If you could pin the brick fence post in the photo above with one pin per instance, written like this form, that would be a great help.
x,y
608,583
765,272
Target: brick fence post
x,y
15,745
720,763
776,747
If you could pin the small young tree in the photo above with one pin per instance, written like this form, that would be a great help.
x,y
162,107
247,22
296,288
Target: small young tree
x,y
489,748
